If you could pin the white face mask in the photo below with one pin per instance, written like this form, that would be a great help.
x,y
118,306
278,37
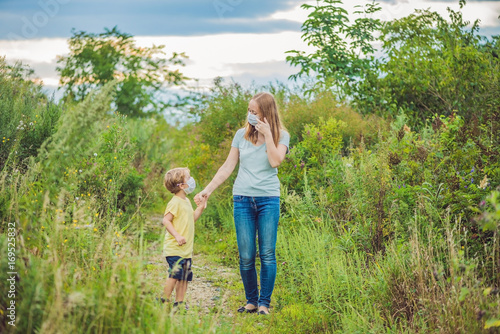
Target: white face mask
x,y
191,185
252,119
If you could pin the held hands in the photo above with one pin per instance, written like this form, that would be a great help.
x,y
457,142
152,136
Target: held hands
x,y
263,127
201,201
201,198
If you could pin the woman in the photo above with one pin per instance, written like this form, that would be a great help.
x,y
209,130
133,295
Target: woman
x,y
260,147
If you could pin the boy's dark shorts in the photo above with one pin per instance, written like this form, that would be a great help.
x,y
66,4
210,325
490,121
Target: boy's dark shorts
x,y
179,268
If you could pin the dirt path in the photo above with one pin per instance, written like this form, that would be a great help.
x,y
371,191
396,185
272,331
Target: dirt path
x,y
205,292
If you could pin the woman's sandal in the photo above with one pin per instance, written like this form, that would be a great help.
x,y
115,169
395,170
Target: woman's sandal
x,y
262,312
245,310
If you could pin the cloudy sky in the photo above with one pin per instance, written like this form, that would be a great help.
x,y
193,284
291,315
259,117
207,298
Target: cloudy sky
x,y
242,40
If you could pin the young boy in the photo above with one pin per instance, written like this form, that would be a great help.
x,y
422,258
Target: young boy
x,y
179,221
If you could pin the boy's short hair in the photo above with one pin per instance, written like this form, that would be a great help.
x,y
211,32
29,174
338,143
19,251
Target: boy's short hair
x,y
173,178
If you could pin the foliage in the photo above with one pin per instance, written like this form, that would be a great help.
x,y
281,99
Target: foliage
x,y
385,226
428,65
96,59
27,116
298,111
342,48
446,67
313,154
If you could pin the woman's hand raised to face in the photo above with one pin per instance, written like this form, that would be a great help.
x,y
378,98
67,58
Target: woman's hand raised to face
x,y
263,127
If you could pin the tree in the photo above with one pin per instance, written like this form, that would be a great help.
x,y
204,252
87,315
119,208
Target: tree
x,y
433,65
427,65
96,59
343,48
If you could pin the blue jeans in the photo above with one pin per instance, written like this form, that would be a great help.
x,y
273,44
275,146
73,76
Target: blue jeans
x,y
257,216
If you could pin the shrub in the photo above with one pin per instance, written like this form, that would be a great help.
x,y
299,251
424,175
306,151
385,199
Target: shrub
x,y
27,116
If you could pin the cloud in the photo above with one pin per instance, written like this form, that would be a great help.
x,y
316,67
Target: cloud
x,y
486,11
225,55
22,19
261,73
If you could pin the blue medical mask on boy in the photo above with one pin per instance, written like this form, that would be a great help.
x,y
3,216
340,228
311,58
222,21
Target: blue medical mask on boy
x,y
252,119
191,185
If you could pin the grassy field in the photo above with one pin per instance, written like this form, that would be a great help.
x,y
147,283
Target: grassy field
x,y
385,227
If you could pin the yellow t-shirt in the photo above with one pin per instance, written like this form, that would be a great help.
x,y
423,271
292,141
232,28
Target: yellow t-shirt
x,y
183,222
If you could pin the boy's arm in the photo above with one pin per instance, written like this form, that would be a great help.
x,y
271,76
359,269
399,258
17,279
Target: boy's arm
x,y
201,206
167,222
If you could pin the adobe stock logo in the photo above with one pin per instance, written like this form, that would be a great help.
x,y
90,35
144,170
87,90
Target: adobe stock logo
x,y
31,26
223,6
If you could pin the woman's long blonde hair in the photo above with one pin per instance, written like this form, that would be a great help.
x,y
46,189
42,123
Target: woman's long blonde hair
x,y
269,110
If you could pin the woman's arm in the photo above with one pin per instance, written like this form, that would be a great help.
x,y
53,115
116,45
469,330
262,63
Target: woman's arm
x,y
275,155
222,174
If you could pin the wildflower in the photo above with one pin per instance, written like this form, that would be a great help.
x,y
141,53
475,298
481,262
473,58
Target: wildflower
x,y
80,171
48,246
77,198
95,229
472,170
97,215
115,158
95,154
28,238
65,240
472,180
348,165
482,203
93,268
75,221
484,183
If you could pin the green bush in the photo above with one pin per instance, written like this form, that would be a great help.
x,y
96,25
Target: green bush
x,y
27,116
